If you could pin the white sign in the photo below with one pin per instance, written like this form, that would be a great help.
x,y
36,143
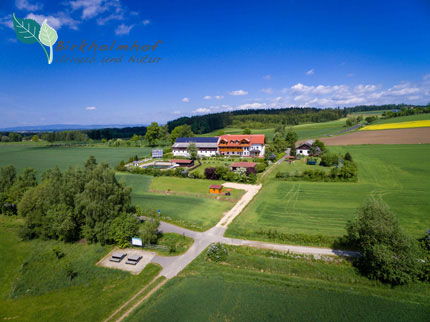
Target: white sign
x,y
136,241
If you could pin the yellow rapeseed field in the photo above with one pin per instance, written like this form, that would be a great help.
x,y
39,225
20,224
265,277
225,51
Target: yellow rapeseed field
x,y
400,125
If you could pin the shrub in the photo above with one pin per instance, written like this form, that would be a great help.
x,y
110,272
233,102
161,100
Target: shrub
x,y
348,156
260,167
58,252
210,173
425,246
387,253
217,252
329,159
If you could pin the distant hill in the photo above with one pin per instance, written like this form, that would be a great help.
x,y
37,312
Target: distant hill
x,y
67,127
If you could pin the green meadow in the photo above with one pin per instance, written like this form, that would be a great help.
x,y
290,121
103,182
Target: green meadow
x,y
409,118
258,285
34,285
42,157
187,204
397,173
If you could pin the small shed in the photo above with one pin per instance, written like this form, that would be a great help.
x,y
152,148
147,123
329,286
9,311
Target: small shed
x,y
183,163
243,165
215,188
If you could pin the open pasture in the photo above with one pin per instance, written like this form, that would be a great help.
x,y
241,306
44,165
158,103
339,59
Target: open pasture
x,y
398,173
256,285
42,157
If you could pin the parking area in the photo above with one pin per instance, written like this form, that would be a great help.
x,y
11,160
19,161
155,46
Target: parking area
x,y
113,260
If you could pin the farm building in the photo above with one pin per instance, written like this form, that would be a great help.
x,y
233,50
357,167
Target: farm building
x,y
206,147
305,148
242,145
243,165
215,188
183,163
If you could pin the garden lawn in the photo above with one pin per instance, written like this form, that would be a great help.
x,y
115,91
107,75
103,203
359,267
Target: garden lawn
x,y
187,204
42,157
398,173
35,287
257,285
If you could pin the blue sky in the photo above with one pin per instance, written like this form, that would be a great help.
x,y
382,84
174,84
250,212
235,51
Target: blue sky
x,y
215,56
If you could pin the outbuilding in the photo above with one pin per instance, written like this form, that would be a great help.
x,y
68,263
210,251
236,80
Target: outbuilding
x,y
243,165
215,188
183,163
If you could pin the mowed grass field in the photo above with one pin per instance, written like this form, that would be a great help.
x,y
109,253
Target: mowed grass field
x,y
304,131
188,203
42,157
398,173
256,285
409,118
35,287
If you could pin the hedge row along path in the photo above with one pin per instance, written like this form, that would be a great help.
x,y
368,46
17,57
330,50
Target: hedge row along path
x,y
172,266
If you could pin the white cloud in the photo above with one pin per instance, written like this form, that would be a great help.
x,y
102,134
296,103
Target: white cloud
x,y
267,90
59,20
176,112
7,21
90,8
218,97
251,106
114,16
146,22
90,108
267,77
185,100
310,72
202,110
365,88
207,97
239,92
123,29
26,5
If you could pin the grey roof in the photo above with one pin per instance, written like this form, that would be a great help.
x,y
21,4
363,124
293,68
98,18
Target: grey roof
x,y
198,145
198,140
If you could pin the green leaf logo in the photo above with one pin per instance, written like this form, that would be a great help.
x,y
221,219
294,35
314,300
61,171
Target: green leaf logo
x,y
29,31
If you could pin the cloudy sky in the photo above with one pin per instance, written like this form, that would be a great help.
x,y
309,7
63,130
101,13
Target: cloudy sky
x,y
215,56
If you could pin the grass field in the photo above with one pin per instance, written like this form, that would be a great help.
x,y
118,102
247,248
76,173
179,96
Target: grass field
x,y
42,157
398,173
34,286
304,131
256,285
185,205
409,118
232,130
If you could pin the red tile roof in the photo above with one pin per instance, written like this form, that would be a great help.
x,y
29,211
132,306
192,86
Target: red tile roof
x,y
244,165
181,161
215,186
252,139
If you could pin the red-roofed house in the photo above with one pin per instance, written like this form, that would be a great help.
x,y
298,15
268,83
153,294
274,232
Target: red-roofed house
x,y
242,145
244,165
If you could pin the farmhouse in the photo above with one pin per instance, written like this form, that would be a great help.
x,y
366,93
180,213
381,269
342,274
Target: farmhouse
x,y
305,148
206,147
183,163
215,188
242,145
243,165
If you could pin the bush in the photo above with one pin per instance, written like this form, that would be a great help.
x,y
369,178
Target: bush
x,y
217,252
425,246
210,173
329,159
348,156
387,253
